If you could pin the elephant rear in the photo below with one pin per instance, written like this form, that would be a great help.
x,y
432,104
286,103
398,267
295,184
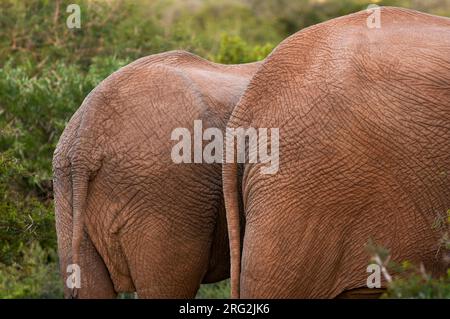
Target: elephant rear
x,y
118,189
364,118
82,268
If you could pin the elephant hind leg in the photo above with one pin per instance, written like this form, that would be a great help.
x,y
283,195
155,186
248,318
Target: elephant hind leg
x,y
95,281
361,293
164,262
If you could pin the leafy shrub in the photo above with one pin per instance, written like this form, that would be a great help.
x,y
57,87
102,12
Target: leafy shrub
x,y
216,290
36,276
36,107
23,219
234,50
36,31
420,285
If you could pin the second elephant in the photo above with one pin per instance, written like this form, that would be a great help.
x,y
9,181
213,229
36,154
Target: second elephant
x,y
364,147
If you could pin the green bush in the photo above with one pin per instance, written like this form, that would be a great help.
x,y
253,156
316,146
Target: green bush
x,y
36,276
36,108
234,50
420,285
26,225
217,290
23,218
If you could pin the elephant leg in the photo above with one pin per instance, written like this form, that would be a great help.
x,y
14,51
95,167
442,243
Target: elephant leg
x,y
277,265
166,258
95,280
262,275
219,260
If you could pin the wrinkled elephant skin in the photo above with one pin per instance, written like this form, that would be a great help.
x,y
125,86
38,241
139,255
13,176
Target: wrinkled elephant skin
x,y
364,128
131,218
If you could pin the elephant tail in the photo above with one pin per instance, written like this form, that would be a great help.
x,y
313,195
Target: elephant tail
x,y
80,180
70,186
231,196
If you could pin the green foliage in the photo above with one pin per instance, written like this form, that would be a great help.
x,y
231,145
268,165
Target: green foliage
x,y
418,284
234,50
36,107
217,290
23,219
46,70
37,31
35,277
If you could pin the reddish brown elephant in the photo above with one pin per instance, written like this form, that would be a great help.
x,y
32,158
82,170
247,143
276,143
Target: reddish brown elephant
x,y
364,153
131,218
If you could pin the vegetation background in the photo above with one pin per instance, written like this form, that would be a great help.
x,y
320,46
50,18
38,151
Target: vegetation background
x,y
46,69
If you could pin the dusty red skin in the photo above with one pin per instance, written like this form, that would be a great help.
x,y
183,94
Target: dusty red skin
x,y
125,213
364,118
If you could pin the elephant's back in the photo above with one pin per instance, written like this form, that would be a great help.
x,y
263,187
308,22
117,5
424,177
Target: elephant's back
x,y
364,119
346,54
142,103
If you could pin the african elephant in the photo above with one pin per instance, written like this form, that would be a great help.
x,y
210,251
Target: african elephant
x,y
364,153
126,214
